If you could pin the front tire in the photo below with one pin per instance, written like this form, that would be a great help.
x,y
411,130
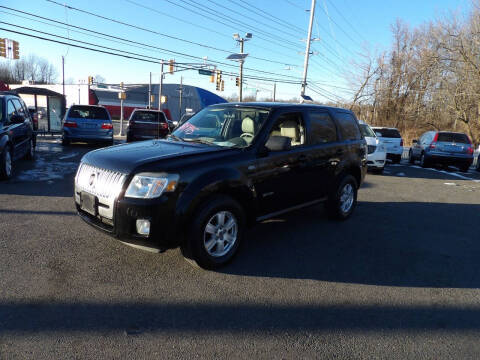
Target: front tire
x,y
31,151
216,233
6,168
65,142
423,161
343,200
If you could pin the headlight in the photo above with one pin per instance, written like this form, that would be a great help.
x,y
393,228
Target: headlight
x,y
151,185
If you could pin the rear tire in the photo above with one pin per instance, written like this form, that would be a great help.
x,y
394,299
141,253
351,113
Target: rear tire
x,y
216,233
6,168
65,142
343,200
397,159
411,159
464,168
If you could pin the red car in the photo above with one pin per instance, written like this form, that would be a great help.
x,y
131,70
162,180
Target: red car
x,y
147,124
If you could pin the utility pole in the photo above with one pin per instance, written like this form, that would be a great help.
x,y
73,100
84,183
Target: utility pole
x,y
150,91
63,74
241,59
180,90
274,90
122,97
307,51
160,87
240,89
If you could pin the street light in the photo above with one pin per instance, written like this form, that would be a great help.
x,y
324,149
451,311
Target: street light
x,y
240,57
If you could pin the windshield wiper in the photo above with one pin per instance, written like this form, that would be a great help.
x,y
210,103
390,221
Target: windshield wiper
x,y
199,141
175,137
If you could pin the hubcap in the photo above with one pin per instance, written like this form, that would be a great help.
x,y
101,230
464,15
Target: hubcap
x,y
346,198
8,163
220,233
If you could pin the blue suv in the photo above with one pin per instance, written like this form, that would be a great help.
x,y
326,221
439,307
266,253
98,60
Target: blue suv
x,y
87,123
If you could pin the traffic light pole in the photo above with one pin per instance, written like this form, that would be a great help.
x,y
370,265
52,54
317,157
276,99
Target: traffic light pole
x,y
150,91
241,72
307,51
160,87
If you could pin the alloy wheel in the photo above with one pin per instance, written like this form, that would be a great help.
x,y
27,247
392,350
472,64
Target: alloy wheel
x,y
347,198
220,233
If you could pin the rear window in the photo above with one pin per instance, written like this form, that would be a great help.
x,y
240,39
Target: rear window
x,y
453,137
148,116
349,126
388,133
88,112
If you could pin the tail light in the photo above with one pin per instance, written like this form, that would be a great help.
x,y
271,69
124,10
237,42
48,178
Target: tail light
x,y
470,150
401,142
107,126
70,124
433,145
163,125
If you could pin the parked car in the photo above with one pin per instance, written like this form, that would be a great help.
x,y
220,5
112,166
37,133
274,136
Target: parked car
x,y
17,138
87,123
377,153
392,140
147,124
228,166
442,147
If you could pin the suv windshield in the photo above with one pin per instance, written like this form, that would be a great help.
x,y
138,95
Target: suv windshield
x,y
388,133
88,112
148,116
224,126
453,138
367,131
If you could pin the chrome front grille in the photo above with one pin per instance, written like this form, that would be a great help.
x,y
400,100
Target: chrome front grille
x,y
105,184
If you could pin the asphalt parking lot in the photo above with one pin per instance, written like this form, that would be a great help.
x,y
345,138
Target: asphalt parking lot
x,y
400,279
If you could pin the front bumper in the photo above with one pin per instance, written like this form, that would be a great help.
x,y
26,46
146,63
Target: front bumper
x,y
126,211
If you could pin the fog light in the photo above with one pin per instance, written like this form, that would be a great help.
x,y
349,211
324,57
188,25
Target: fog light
x,y
143,227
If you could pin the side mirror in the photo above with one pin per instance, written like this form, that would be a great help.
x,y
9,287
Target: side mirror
x,y
279,143
17,119
414,141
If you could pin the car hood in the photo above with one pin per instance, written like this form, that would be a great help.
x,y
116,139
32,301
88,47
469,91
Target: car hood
x,y
125,158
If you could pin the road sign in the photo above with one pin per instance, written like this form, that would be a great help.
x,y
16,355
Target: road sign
x,y
205,72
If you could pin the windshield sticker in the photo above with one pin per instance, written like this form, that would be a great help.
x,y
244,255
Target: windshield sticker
x,y
188,128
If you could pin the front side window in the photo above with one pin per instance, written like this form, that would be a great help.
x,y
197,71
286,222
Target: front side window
x,y
10,110
348,126
223,126
290,125
20,108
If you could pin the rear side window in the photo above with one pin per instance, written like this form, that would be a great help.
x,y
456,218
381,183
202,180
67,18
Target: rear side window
x,y
322,128
148,116
367,131
453,137
88,112
348,126
388,133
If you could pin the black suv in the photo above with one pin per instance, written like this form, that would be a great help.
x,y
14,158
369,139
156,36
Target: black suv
x,y
228,166
17,138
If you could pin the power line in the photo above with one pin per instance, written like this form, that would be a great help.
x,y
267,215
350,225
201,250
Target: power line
x,y
133,57
263,13
295,5
138,27
207,29
346,20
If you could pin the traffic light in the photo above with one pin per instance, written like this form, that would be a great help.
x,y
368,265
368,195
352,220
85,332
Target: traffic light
x,y
219,80
212,78
90,80
237,81
16,50
171,63
3,48
222,86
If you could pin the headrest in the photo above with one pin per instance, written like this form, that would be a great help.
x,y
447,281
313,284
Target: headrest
x,y
289,128
248,125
